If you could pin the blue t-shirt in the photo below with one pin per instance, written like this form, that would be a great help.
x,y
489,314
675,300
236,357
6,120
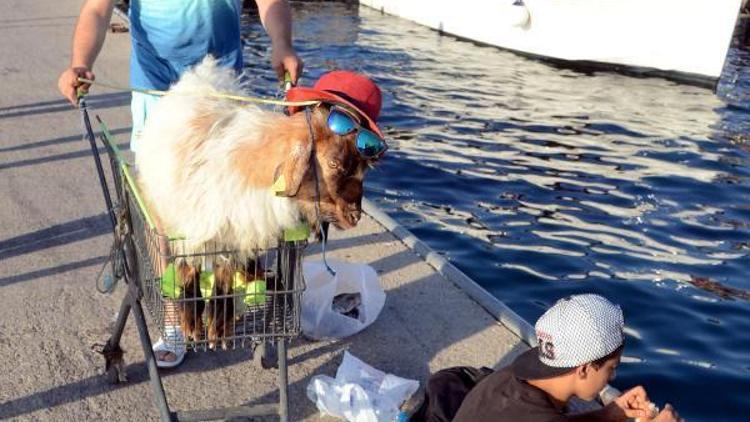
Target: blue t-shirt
x,y
169,36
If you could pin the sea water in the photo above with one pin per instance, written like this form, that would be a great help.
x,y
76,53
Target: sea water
x,y
541,181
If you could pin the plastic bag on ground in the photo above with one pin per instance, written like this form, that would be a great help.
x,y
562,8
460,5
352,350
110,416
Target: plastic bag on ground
x,y
360,393
355,288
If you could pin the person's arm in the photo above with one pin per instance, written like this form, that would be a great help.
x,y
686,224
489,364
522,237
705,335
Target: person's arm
x,y
276,17
88,39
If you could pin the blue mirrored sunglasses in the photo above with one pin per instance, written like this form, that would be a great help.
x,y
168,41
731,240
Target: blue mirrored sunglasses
x,y
368,143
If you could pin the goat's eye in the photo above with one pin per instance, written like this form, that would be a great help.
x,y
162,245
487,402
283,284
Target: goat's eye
x,y
334,164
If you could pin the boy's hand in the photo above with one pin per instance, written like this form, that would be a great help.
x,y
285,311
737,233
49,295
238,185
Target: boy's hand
x,y
634,403
68,83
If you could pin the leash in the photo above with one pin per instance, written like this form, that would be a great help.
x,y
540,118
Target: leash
x,y
314,165
218,95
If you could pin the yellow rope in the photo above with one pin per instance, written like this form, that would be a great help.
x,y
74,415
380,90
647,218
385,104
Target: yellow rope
x,y
210,94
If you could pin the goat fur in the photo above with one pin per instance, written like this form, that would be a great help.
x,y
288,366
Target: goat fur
x,y
194,157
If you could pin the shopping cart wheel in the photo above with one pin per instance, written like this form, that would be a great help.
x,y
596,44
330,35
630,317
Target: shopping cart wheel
x,y
114,364
266,356
116,374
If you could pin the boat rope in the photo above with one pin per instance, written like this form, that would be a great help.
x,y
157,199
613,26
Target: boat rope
x,y
240,98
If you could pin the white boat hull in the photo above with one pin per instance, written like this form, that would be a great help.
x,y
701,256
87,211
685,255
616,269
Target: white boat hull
x,y
691,37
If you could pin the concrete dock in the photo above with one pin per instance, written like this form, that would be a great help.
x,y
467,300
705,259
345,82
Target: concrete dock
x,y
55,237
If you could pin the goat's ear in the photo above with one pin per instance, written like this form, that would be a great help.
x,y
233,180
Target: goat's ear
x,y
289,174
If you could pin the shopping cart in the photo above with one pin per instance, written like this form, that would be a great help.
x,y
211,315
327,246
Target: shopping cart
x,y
261,311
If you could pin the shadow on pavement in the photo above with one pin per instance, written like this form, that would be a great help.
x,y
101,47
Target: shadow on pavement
x,y
58,141
60,234
58,157
32,275
101,101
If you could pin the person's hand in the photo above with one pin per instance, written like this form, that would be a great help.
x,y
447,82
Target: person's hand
x,y
68,83
634,403
668,414
286,60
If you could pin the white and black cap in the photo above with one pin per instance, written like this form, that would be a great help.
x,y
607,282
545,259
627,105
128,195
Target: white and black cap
x,y
576,330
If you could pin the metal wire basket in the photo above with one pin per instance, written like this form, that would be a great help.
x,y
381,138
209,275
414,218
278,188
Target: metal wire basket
x,y
233,301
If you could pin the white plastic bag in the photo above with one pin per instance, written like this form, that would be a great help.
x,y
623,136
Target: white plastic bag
x,y
360,393
352,282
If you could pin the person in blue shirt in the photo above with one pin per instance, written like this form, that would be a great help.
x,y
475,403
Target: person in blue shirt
x,y
168,37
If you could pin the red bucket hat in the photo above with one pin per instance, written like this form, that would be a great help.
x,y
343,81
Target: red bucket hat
x,y
350,89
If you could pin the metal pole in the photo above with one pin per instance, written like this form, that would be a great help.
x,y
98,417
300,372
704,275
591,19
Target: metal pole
x,y
153,372
122,318
283,382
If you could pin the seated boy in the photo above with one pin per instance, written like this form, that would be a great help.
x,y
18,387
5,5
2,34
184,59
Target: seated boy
x,y
580,344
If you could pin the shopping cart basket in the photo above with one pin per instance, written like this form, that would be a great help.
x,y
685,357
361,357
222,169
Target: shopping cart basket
x,y
262,308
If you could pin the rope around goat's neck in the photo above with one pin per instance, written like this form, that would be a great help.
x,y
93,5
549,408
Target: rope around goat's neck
x,y
314,164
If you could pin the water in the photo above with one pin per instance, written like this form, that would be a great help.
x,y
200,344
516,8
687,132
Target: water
x,y
539,182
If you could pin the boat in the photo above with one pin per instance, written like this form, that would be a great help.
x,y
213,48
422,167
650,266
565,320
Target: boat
x,y
684,40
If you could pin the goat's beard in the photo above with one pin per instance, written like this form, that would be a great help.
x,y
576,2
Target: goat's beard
x,y
324,212
314,216
318,205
